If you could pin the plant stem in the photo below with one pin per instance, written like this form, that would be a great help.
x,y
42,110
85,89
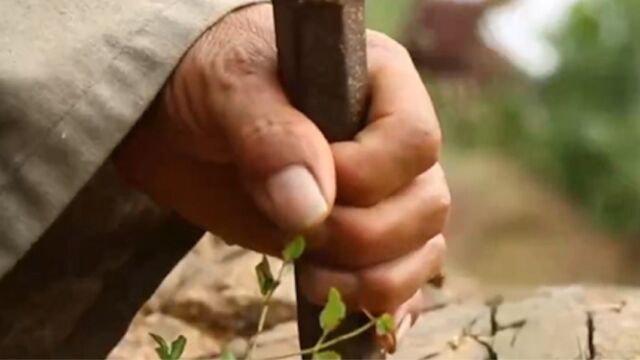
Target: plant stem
x,y
369,315
316,348
328,344
347,336
263,314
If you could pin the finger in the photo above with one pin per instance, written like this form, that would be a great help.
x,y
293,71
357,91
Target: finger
x,y
404,318
385,287
285,160
379,289
402,139
394,227
411,308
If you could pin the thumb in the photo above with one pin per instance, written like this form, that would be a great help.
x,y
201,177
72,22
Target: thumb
x,y
285,161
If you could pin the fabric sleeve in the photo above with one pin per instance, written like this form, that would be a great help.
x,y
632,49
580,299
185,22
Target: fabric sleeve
x,y
74,78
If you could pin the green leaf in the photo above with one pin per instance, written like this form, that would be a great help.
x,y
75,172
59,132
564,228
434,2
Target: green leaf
x,y
161,354
385,325
227,355
294,250
333,313
266,281
163,348
177,347
327,355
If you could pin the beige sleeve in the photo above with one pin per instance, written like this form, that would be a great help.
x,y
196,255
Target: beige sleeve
x,y
75,75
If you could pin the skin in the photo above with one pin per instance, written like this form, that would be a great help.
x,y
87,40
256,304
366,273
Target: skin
x,y
222,130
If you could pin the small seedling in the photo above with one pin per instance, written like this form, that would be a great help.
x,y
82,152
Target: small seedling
x,y
385,325
294,250
227,355
266,281
332,315
166,352
326,355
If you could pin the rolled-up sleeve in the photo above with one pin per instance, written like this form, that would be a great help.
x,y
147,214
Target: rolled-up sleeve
x,y
74,78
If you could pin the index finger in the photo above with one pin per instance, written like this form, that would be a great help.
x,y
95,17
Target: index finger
x,y
402,138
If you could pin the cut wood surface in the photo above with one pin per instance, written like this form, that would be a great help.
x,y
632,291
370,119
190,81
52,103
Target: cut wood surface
x,y
553,323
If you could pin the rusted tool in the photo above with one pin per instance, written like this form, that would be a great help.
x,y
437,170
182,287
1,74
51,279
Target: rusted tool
x,y
323,66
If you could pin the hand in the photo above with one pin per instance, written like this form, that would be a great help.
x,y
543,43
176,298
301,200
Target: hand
x,y
223,147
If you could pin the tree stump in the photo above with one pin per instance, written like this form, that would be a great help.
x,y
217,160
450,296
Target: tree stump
x,y
551,323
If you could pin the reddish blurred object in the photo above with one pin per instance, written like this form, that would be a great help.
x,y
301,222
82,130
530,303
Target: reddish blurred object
x,y
444,39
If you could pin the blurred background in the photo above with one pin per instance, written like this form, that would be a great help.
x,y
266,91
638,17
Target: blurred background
x,y
539,101
540,105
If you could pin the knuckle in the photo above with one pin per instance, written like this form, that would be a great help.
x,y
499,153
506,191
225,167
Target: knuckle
x,y
272,129
381,291
443,201
264,143
369,233
358,186
439,246
443,198
230,69
383,42
230,66
256,132
426,144
357,237
435,219
246,61
379,232
366,234
439,243
389,56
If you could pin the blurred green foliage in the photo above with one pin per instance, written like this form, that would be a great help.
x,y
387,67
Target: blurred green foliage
x,y
388,16
579,129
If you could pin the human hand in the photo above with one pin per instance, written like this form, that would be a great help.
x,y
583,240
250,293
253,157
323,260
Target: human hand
x,y
222,146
